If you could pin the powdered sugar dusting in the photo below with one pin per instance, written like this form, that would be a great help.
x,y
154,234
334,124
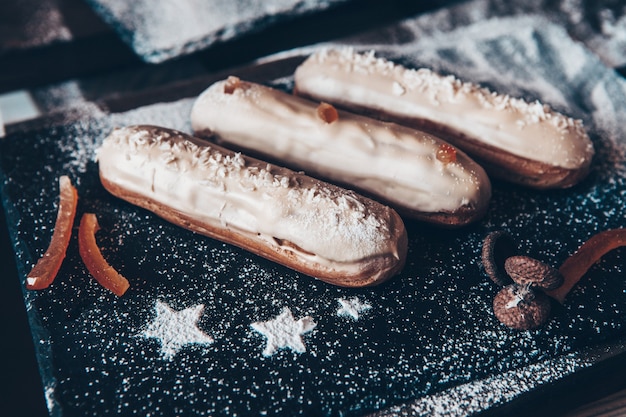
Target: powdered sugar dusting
x,y
176,329
474,397
284,331
352,307
599,25
159,30
51,403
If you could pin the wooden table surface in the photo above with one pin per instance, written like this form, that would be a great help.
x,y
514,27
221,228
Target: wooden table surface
x,y
93,54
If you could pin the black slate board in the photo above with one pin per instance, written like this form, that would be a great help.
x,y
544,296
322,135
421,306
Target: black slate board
x,y
429,332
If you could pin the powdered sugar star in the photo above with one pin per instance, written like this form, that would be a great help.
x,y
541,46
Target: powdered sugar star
x,y
352,307
176,329
284,332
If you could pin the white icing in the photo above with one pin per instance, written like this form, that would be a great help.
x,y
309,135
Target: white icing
x,y
333,227
530,130
383,159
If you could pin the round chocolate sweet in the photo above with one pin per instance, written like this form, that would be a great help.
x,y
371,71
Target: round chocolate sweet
x,y
525,270
521,308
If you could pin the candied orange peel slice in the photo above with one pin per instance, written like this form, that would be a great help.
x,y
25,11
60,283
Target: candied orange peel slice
x,y
47,267
446,153
90,253
588,254
232,83
327,113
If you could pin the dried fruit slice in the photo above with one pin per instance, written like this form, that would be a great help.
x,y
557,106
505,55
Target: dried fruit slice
x,y
327,113
589,253
97,266
446,153
45,270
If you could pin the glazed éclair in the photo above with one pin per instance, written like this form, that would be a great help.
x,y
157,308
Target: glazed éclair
x,y
417,174
522,142
316,228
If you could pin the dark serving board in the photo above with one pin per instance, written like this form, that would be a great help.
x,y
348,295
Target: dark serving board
x,y
429,341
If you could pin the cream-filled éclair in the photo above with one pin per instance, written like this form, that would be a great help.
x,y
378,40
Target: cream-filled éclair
x,y
316,228
523,142
416,173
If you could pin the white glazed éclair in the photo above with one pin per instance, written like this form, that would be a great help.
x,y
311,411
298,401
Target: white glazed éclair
x,y
316,228
526,143
418,174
